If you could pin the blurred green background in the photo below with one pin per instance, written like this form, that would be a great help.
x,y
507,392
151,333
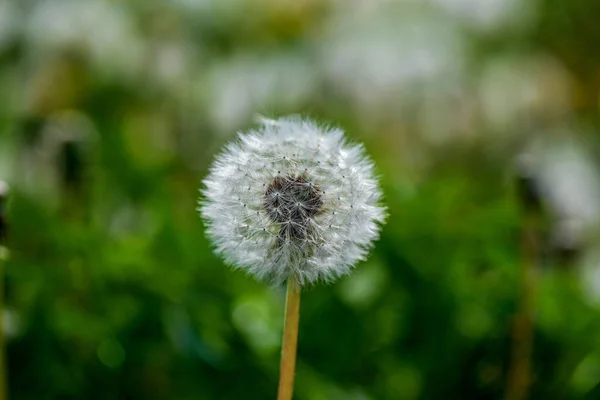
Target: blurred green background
x,y
111,112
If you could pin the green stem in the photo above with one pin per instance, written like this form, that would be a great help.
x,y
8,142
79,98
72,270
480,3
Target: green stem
x,y
3,386
519,373
290,342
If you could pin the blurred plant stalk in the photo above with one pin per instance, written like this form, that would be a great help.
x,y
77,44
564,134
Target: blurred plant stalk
x,y
519,375
290,342
3,258
3,372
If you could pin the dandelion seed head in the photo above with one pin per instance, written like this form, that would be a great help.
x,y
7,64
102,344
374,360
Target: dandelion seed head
x,y
292,200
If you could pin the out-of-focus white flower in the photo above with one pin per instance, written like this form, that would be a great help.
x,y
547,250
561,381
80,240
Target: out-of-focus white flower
x,y
514,90
488,14
193,5
239,88
11,323
385,58
3,188
41,167
220,10
9,23
103,31
569,184
8,148
172,64
447,114
590,274
292,200
3,224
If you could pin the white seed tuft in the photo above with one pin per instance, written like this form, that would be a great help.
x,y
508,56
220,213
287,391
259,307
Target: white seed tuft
x,y
292,200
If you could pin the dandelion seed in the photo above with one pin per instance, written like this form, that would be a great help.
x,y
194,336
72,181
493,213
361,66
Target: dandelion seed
x,y
299,242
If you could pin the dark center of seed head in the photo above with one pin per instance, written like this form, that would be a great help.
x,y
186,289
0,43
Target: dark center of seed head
x,y
292,202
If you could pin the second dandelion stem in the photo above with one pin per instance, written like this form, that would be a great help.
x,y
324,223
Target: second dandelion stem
x,y
519,374
290,341
3,378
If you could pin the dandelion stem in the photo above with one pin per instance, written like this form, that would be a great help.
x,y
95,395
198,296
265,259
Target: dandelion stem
x,y
290,341
3,257
519,373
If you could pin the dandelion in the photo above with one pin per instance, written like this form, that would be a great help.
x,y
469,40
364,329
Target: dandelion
x,y
292,201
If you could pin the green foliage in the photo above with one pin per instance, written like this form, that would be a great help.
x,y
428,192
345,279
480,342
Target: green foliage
x,y
115,289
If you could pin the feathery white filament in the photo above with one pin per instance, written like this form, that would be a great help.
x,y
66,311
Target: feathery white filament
x,y
292,200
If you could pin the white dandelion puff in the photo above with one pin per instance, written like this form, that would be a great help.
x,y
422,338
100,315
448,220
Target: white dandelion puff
x,y
292,200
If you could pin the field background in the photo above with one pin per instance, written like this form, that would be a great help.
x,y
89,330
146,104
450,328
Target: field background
x,y
111,112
